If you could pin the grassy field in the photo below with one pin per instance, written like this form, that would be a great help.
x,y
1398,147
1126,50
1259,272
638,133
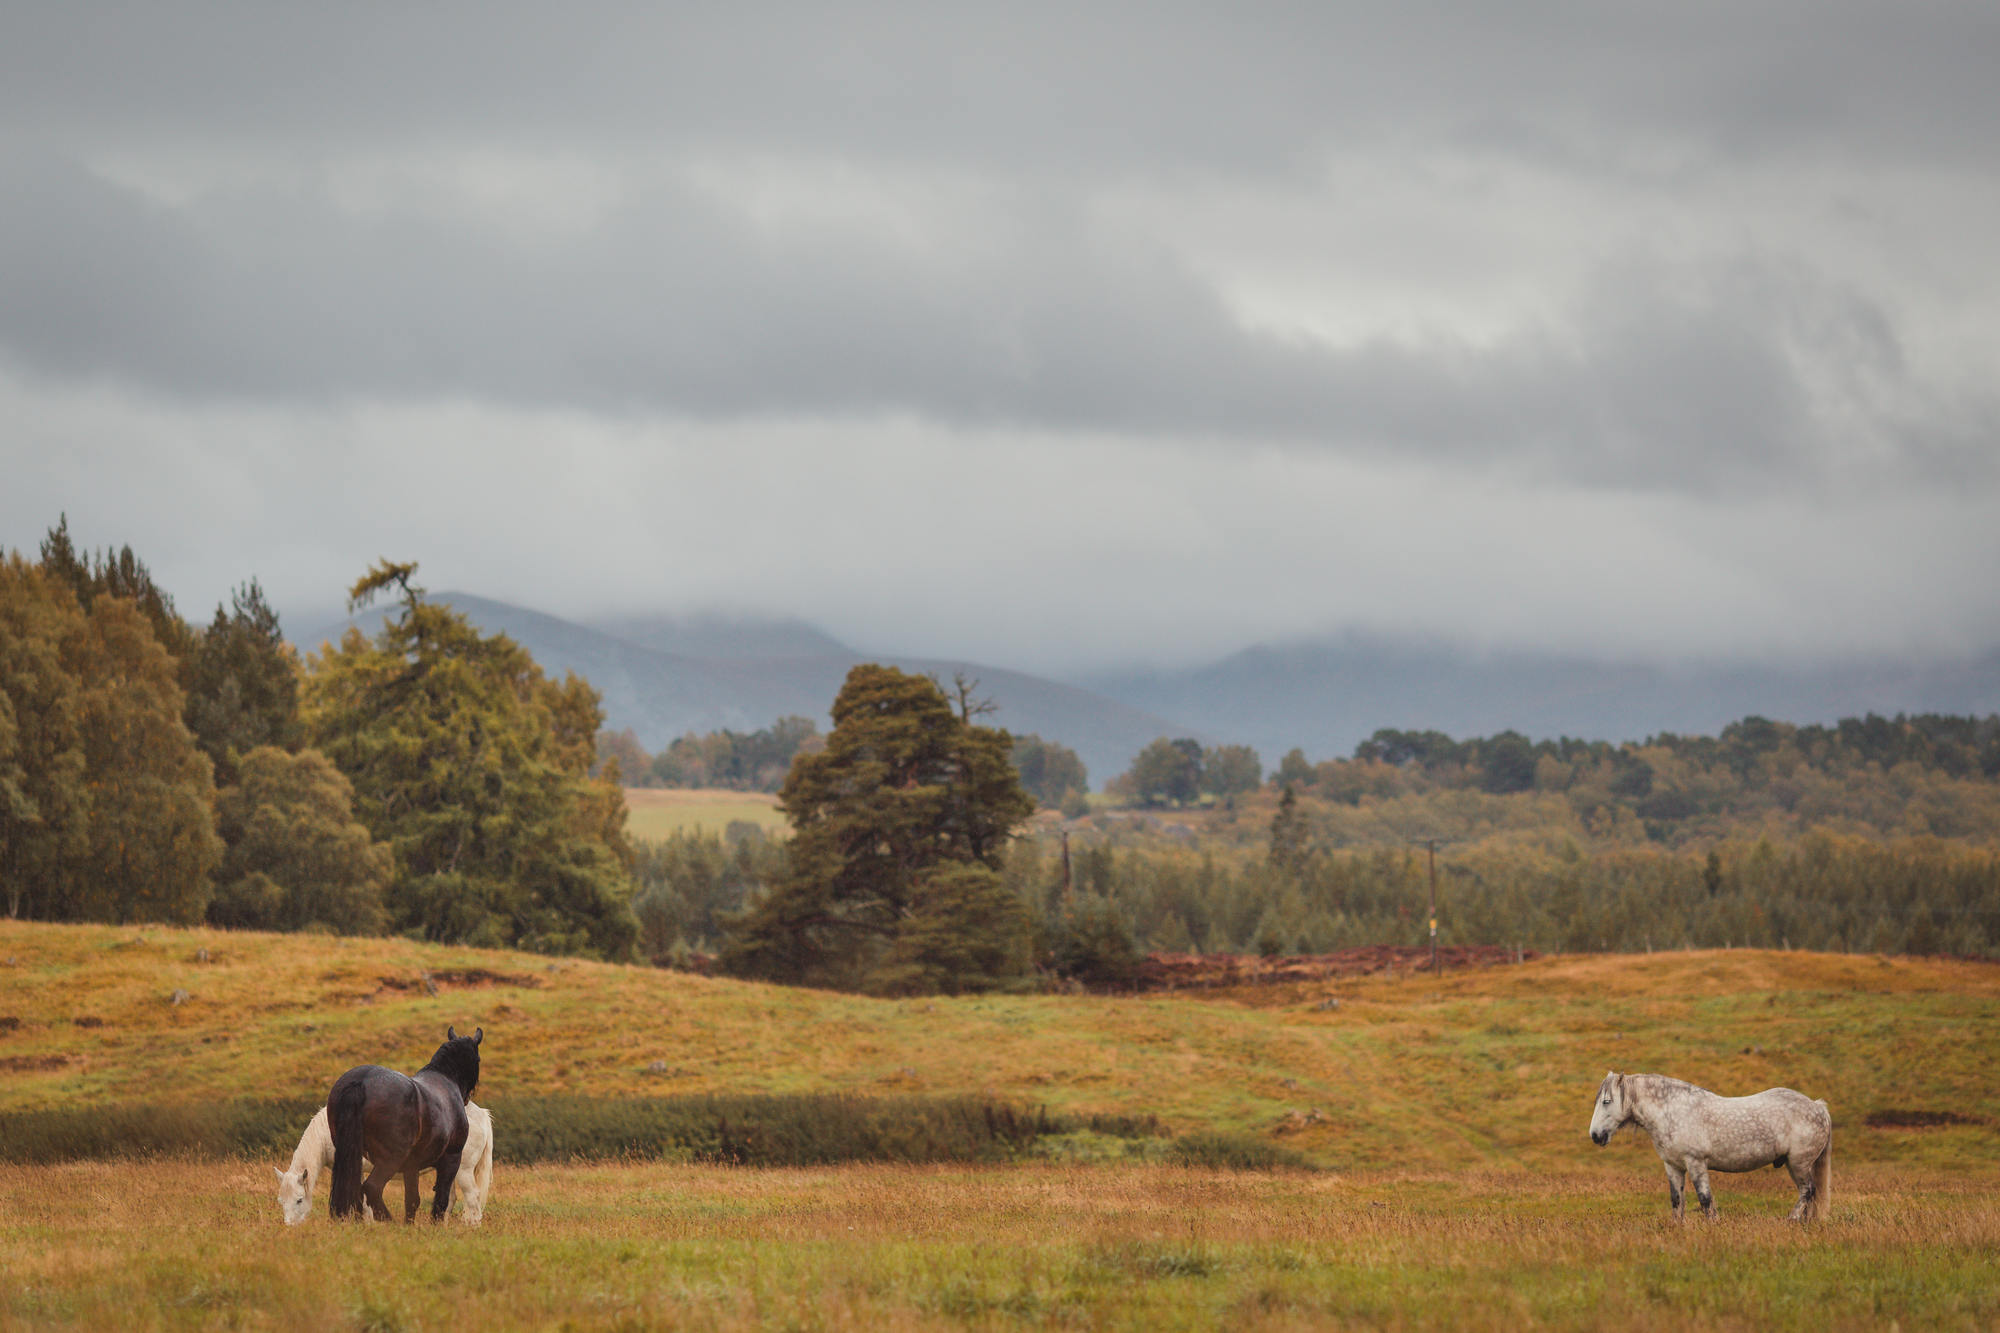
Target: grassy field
x,y
1493,1068
657,812
1459,1186
181,1245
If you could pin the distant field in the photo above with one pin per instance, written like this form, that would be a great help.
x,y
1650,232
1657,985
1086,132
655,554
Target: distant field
x,y
659,812
181,1245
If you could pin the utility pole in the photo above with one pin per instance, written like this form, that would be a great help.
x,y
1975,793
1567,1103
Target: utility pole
x,y
1430,845
1069,892
1433,847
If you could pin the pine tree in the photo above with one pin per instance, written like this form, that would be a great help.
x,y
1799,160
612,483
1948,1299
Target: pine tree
x,y
905,786
243,684
1289,834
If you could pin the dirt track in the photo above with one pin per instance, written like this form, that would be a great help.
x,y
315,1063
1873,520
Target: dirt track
x,y
1195,971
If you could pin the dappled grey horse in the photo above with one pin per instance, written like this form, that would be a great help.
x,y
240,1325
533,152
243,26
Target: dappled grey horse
x,y
1694,1130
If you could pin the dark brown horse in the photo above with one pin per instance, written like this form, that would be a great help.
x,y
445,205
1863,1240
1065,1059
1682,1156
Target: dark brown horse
x,y
404,1125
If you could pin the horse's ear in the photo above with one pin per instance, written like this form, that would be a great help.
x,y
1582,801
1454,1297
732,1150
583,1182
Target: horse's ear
x,y
478,1035
450,1033
276,1172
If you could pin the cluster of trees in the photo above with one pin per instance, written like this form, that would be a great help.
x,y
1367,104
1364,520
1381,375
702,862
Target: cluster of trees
x,y
740,761
433,781
430,781
117,721
1828,891
692,884
475,768
1052,773
1891,776
760,761
1182,771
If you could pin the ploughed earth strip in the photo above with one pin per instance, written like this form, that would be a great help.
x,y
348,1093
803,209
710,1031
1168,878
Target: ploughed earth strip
x,y
1202,971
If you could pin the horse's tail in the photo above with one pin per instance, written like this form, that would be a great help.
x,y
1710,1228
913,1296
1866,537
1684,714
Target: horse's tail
x,y
1822,1194
343,1112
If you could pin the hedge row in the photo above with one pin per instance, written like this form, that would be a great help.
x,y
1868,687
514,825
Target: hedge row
x,y
804,1129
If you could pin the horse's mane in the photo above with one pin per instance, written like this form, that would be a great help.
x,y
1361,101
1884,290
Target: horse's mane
x,y
458,1060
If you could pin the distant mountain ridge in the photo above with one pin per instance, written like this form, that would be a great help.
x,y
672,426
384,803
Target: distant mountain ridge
x,y
718,635
1327,696
664,676
661,694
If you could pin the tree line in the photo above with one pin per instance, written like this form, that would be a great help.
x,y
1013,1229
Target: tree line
x,y
430,781
761,760
1905,775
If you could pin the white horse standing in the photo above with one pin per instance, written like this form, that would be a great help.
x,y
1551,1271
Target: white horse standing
x,y
315,1153
1694,1130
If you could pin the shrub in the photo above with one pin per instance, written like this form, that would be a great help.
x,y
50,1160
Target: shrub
x,y
1234,1152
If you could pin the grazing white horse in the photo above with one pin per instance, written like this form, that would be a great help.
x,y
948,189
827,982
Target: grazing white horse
x,y
1694,1130
315,1153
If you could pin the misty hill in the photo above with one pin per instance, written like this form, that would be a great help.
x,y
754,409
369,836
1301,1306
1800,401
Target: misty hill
x,y
1327,696
749,677
717,635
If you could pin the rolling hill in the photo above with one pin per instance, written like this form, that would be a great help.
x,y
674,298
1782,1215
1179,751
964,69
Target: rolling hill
x,y
1492,1068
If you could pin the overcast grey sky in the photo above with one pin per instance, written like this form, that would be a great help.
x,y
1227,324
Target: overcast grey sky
x,y
1055,336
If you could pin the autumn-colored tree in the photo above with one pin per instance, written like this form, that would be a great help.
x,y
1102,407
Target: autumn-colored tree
x,y
1167,771
152,832
104,800
906,786
475,768
117,574
44,789
622,748
296,857
1049,771
243,684
1231,770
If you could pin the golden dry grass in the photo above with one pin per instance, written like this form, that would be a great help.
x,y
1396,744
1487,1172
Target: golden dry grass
x,y
659,812
1464,1191
1493,1068
180,1245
